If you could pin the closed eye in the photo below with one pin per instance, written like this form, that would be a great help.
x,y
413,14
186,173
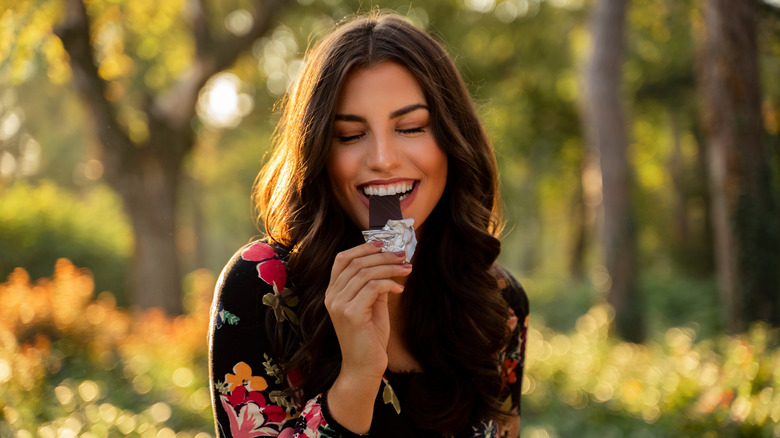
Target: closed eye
x,y
349,138
411,130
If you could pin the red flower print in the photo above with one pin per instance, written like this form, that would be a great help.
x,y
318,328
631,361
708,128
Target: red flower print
x,y
294,377
241,396
287,433
258,252
312,414
512,321
508,371
270,269
252,417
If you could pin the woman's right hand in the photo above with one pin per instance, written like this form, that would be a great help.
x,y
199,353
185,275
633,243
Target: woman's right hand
x,y
357,301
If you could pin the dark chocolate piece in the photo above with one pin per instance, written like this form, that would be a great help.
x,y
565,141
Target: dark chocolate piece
x,y
381,209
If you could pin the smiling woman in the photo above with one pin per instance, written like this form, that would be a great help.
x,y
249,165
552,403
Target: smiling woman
x,y
316,333
383,140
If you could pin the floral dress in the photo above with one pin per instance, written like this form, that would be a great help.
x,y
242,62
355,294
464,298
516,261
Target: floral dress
x,y
248,387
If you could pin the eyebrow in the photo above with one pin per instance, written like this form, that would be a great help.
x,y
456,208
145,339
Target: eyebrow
x,y
395,114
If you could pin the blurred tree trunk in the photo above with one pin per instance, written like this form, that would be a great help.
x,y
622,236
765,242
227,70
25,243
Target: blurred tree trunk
x,y
195,244
743,210
579,233
146,173
691,232
677,169
606,130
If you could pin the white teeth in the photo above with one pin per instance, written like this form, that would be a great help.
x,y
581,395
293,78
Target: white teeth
x,y
388,190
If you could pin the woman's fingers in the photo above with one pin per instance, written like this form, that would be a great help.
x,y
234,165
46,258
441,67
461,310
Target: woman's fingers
x,y
370,293
364,272
344,258
364,276
351,263
367,281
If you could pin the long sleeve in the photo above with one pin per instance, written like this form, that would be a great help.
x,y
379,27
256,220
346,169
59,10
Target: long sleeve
x,y
250,396
513,357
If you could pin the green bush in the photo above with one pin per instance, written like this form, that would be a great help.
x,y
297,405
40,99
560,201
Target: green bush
x,y
586,383
73,365
76,366
42,223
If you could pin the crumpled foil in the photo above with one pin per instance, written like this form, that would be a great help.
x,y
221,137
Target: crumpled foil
x,y
397,235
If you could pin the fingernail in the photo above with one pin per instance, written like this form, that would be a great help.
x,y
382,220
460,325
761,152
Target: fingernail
x,y
378,243
407,266
400,253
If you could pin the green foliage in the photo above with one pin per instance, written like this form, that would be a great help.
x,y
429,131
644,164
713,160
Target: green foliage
x,y
28,43
39,224
585,383
674,301
522,61
71,364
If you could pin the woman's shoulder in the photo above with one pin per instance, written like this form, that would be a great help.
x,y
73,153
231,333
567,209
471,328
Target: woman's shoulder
x,y
253,280
257,264
512,290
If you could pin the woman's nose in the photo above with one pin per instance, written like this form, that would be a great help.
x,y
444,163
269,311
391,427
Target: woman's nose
x,y
383,153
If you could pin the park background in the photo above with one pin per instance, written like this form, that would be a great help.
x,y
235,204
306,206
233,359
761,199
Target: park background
x,y
639,149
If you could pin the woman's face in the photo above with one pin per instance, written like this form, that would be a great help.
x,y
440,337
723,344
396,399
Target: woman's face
x,y
383,142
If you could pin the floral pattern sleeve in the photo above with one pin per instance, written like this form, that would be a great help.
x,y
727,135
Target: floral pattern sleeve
x,y
513,357
251,397
249,392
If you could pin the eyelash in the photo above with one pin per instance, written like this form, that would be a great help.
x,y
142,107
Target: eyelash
x,y
351,138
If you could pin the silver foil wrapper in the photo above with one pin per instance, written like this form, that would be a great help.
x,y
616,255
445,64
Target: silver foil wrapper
x,y
397,235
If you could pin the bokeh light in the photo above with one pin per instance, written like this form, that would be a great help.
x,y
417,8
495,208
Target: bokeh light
x,y
222,104
239,22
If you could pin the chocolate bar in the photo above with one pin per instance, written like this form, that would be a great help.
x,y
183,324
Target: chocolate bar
x,y
386,224
381,209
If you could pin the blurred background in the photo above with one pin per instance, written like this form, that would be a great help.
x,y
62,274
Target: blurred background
x,y
639,149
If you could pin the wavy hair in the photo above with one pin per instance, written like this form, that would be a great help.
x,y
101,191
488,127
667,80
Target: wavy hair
x,y
454,312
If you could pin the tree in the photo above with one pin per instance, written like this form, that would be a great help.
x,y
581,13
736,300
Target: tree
x,y
146,169
744,217
605,127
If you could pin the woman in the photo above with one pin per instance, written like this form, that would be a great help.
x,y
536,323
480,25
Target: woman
x,y
318,333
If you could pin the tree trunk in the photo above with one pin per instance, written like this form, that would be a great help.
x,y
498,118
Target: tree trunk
x,y
743,211
606,131
198,246
579,224
680,229
147,175
149,195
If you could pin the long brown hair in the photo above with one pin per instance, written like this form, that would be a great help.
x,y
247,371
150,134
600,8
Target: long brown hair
x,y
455,315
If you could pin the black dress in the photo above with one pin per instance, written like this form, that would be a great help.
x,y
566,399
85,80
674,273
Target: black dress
x,y
248,388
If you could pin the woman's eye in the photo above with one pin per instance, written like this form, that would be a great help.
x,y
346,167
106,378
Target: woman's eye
x,y
348,138
411,130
